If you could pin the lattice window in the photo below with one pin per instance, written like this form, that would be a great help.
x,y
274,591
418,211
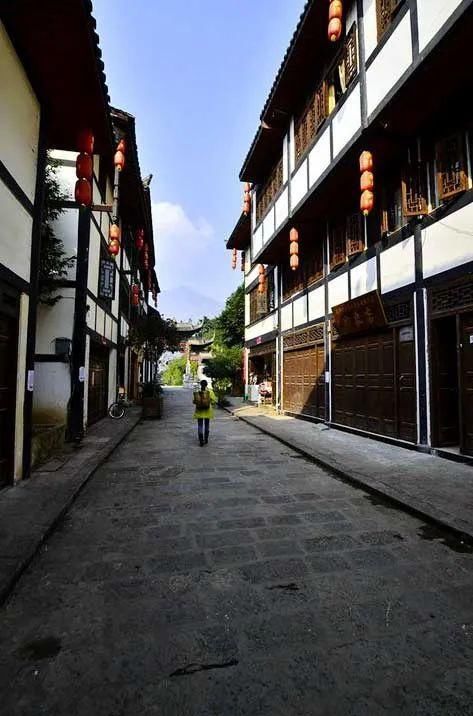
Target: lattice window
x,y
355,235
309,122
385,12
307,337
269,191
452,175
350,56
338,245
397,312
460,296
414,184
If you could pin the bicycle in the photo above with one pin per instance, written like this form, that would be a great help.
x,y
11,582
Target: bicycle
x,y
118,409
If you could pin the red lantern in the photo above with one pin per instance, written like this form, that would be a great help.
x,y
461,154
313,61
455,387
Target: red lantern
x,y
334,29
261,278
247,199
121,146
367,181
119,160
294,248
335,10
84,166
234,259
114,232
85,142
83,192
139,239
114,247
367,202
366,162
294,262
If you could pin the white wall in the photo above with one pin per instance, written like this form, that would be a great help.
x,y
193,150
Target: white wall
x,y
299,184
257,241
319,156
338,290
391,63
19,118
397,266
252,276
268,225
52,391
300,311
370,26
282,208
112,376
55,321
347,121
247,308
286,317
449,242
266,325
317,303
15,234
432,14
363,278
94,260
20,387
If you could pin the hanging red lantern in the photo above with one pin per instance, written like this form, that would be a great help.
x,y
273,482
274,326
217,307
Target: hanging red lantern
x,y
119,160
139,239
83,192
294,248
135,295
84,166
114,232
335,10
261,279
366,183
294,262
247,199
234,259
114,247
121,146
85,143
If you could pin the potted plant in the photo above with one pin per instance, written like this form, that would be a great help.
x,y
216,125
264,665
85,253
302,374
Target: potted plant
x,y
152,400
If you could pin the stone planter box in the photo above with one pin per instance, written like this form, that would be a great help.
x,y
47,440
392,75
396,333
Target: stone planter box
x,y
152,408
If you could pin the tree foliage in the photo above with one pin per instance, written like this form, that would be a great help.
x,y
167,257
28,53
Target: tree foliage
x,y
231,321
54,264
224,368
151,335
174,372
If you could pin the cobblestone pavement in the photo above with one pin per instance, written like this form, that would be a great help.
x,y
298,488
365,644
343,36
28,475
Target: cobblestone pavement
x,y
236,579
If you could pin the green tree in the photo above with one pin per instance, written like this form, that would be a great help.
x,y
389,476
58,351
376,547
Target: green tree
x,y
54,264
230,324
224,369
151,335
173,374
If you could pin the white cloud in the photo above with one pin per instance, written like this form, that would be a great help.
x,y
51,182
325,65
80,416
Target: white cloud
x,y
182,245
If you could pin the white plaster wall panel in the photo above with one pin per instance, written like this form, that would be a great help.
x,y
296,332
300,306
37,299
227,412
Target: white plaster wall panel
x,y
108,192
363,278
124,328
66,228
347,121
126,263
432,14
299,184
91,313
285,159
114,331
268,324
300,311
19,118
317,303
20,387
112,376
397,266
55,321
448,243
94,260
370,26
391,63
247,308
51,393
252,276
281,208
319,157
257,240
268,225
100,322
97,199
286,317
116,298
107,327
338,290
86,381
15,234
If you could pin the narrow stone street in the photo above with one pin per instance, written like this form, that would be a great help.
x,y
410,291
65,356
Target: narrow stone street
x,y
236,579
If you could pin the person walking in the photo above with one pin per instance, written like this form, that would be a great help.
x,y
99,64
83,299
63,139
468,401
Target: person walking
x,y
204,400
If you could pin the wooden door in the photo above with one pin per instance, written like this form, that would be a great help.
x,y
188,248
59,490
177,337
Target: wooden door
x,y
406,385
304,381
466,382
8,365
98,385
445,403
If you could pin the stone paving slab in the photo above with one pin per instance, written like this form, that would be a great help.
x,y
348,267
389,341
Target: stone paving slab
x,y
432,487
31,509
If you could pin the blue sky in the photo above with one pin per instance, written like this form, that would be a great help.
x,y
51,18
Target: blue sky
x,y
195,74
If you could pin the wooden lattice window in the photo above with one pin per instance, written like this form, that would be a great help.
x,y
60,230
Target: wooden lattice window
x,y
414,184
311,119
269,191
350,57
355,235
385,13
254,305
338,249
452,175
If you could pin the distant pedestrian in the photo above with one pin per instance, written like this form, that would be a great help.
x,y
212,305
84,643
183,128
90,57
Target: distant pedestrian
x,y
204,400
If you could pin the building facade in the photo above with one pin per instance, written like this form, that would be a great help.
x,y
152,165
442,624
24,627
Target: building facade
x,y
371,328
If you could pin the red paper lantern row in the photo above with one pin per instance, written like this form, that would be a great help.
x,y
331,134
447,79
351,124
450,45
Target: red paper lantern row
x,y
114,240
119,158
247,199
261,279
234,259
84,169
335,16
366,183
146,257
243,260
294,249
135,295
139,239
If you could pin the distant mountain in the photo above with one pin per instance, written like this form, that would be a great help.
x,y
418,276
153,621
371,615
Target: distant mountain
x,y
185,302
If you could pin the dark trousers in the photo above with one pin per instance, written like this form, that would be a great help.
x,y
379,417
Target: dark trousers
x,y
203,427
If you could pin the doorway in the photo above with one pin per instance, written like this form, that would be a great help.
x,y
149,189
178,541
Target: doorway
x,y
446,418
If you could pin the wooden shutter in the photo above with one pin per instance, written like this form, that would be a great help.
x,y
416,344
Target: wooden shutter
x,y
451,166
350,56
320,105
414,185
385,11
355,235
337,245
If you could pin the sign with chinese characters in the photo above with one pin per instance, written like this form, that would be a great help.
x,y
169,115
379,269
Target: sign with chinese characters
x,y
362,314
261,304
107,279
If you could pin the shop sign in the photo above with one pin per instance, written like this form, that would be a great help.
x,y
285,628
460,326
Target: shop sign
x,y
406,335
107,279
262,304
362,314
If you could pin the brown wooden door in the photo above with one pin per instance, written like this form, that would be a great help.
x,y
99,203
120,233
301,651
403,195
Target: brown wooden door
x,y
304,381
466,382
406,385
8,365
445,403
98,384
